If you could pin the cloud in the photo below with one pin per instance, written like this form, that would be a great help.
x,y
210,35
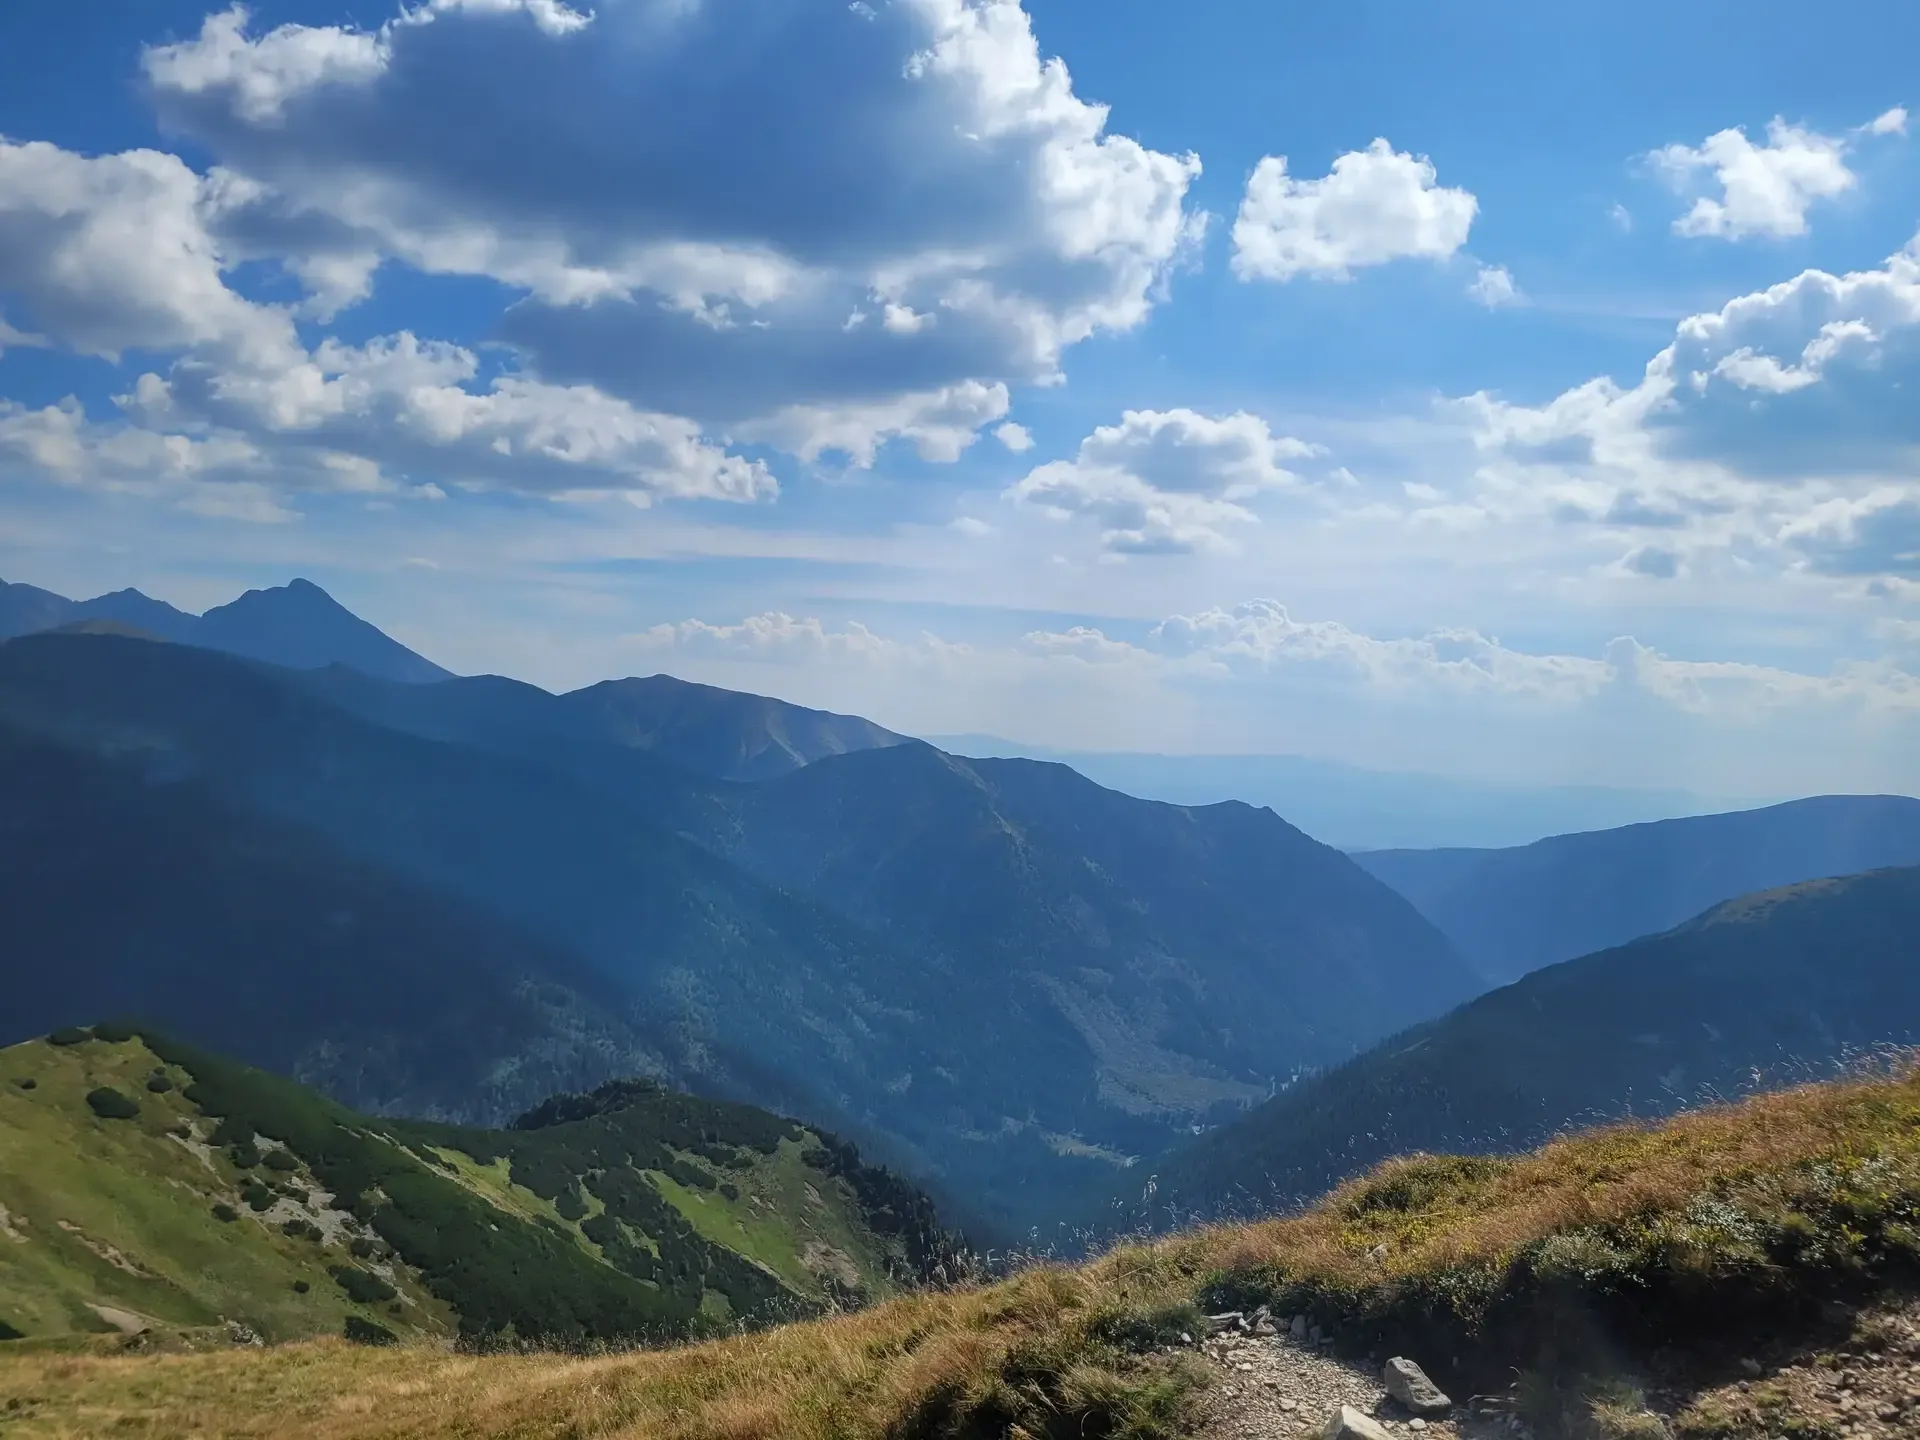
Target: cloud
x,y
1376,205
1774,427
1493,287
916,201
1260,635
1654,562
1763,189
1016,438
940,424
112,253
1250,674
1166,482
1890,122
779,637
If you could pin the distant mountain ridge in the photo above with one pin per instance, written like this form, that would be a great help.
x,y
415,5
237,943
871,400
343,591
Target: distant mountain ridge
x,y
724,734
1780,986
297,625
1513,911
125,885
1001,973
1356,808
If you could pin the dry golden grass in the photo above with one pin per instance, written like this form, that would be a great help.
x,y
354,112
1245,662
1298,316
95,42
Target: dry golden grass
x,y
1782,1189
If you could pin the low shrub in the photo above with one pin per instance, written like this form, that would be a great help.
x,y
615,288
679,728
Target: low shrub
x,y
362,1287
366,1332
159,1082
110,1104
244,1156
301,1287
27,1082
115,1032
257,1196
7,1332
281,1160
69,1035
224,1212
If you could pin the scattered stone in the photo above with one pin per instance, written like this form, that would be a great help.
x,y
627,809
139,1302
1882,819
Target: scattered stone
x,y
1751,1366
1288,1403
1298,1327
1416,1423
1347,1423
1408,1383
1228,1320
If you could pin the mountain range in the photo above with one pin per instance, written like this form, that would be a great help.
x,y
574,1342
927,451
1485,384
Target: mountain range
x,y
1515,910
1357,808
1772,988
449,897
297,625
1002,976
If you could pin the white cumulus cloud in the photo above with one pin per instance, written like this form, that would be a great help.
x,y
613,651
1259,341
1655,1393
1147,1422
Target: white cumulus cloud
x,y
1376,205
1166,482
1762,189
916,202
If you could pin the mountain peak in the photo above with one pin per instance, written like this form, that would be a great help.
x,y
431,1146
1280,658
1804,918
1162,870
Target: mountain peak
x,y
298,625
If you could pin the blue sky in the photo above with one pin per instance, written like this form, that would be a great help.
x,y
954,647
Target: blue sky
x,y
1503,390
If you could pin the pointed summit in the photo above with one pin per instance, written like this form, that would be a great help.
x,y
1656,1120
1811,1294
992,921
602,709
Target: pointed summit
x,y
301,626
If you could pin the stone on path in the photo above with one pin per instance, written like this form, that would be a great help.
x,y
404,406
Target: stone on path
x,y
1408,1383
1347,1423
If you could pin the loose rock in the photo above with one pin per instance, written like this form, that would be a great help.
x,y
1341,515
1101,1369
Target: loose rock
x,y
1408,1383
1347,1423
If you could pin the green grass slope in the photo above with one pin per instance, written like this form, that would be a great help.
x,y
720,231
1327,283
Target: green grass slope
x,y
1549,1285
1774,987
150,1188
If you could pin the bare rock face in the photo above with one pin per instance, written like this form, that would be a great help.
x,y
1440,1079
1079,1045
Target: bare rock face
x,y
1347,1423
1408,1383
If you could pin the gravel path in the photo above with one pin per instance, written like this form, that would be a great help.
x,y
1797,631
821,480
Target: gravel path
x,y
1277,1388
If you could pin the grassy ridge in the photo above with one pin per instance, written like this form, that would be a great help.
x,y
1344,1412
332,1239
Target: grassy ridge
x,y
1743,1216
148,1185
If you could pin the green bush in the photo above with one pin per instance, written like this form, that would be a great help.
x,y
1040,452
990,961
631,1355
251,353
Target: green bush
x,y
301,1287
281,1160
362,1286
229,1131
730,1190
224,1212
244,1156
110,1104
366,1332
27,1082
257,1196
115,1032
7,1332
298,1229
361,1248
159,1082
69,1035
